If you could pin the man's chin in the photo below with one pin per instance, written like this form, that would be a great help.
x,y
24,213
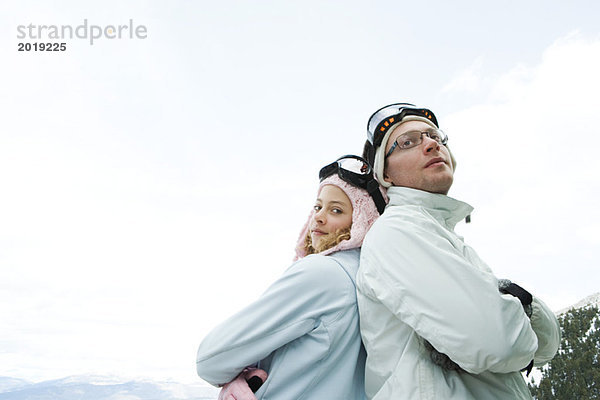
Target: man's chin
x,y
441,185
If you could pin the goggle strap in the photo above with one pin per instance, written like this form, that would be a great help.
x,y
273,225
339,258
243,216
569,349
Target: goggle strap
x,y
385,124
375,193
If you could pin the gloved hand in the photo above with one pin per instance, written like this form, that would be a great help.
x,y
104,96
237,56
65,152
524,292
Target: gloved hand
x,y
507,287
441,359
239,388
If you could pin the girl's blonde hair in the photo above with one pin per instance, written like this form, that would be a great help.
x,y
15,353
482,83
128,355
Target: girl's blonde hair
x,y
327,241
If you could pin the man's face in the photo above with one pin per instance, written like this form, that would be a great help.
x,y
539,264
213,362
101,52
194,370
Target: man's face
x,y
425,167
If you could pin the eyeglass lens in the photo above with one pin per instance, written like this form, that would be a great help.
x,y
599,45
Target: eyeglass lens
x,y
415,138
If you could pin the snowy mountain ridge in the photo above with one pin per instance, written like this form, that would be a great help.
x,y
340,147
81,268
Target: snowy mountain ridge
x,y
95,387
591,300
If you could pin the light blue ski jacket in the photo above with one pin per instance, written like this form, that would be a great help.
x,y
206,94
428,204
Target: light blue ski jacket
x,y
303,331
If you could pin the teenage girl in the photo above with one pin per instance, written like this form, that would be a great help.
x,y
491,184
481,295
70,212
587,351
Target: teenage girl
x,y
301,337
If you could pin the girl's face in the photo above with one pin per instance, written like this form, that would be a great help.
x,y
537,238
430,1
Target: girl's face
x,y
333,211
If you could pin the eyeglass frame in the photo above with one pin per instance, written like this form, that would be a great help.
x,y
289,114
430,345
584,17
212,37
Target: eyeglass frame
x,y
443,141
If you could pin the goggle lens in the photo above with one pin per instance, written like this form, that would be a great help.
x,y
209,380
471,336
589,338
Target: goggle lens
x,y
387,116
354,165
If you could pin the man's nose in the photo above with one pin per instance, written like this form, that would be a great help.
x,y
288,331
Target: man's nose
x,y
429,144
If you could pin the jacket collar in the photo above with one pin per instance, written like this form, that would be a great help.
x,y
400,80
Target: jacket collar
x,y
445,209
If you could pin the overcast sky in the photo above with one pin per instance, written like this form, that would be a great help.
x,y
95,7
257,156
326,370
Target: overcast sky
x,y
150,187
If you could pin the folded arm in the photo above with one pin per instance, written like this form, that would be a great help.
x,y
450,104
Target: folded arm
x,y
547,329
423,279
290,308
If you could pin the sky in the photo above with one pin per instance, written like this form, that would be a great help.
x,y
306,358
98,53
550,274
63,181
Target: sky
x,y
152,186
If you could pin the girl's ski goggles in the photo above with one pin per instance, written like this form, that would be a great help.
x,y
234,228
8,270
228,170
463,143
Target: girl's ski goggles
x,y
356,171
385,117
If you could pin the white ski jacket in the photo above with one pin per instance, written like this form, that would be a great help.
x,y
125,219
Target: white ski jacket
x,y
418,281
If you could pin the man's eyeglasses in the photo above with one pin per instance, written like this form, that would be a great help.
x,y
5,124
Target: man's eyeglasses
x,y
411,139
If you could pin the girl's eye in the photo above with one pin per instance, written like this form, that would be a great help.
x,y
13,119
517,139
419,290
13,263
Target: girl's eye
x,y
336,211
317,207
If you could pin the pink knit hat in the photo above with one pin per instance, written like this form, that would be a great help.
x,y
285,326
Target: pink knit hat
x,y
364,213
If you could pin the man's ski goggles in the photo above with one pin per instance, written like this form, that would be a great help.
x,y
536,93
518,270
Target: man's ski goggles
x,y
385,117
356,171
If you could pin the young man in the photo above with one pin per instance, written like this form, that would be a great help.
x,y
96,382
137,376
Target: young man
x,y
435,321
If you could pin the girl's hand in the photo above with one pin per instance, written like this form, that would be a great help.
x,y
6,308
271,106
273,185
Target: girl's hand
x,y
238,388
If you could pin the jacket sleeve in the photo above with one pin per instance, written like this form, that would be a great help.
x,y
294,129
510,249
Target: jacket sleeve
x,y
547,329
290,308
427,283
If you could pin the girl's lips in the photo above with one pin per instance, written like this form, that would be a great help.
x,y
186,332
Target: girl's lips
x,y
317,232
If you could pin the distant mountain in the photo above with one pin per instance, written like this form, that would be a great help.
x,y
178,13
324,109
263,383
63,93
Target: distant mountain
x,y
591,300
7,384
102,388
